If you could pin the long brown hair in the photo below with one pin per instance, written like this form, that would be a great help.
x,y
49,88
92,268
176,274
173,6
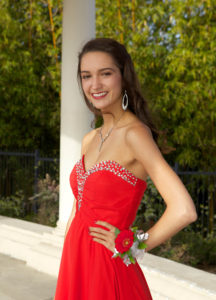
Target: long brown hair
x,y
137,104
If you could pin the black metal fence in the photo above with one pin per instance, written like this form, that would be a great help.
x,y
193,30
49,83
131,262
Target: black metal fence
x,y
21,171
202,188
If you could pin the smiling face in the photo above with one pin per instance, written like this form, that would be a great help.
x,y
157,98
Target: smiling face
x,y
101,80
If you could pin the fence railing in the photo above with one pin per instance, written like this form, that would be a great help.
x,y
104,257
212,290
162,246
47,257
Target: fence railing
x,y
21,171
202,188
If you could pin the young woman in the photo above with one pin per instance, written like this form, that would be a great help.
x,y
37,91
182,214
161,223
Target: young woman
x,y
109,181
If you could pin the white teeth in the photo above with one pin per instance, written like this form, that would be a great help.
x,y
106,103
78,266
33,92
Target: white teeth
x,y
100,94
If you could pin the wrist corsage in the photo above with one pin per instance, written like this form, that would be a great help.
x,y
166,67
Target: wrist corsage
x,y
129,244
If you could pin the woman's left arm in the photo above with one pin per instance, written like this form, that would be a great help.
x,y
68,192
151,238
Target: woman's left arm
x,y
180,210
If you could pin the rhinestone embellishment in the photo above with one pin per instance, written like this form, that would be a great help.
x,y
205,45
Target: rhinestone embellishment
x,y
80,181
107,165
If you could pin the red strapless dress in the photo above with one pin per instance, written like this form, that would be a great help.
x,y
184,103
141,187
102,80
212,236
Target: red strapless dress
x,y
106,192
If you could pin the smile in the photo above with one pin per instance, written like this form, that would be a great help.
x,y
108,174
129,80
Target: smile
x,y
99,95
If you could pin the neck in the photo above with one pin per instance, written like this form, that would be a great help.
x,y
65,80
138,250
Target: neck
x,y
111,117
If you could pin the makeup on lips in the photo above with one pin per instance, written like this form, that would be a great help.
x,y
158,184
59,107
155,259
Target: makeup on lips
x,y
99,95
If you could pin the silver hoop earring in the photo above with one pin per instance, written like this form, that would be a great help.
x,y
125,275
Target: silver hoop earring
x,y
125,101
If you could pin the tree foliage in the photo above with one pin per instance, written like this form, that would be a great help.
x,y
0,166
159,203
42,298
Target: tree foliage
x,y
30,74
173,46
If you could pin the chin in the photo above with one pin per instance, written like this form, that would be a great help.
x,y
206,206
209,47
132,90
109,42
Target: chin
x,y
102,107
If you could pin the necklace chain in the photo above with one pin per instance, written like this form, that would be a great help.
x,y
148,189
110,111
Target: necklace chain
x,y
103,139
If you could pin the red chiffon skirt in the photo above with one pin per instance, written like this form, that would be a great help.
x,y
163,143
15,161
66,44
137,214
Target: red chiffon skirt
x,y
107,192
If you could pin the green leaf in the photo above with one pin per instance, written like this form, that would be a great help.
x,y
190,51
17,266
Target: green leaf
x,y
142,245
117,231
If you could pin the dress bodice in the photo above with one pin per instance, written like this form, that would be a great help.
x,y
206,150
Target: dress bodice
x,y
107,191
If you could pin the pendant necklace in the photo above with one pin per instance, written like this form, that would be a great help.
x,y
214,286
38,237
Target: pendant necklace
x,y
103,139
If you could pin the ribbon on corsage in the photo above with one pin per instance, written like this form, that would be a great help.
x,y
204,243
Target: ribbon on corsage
x,y
129,244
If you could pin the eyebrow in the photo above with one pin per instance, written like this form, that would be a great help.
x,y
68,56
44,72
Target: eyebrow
x,y
101,70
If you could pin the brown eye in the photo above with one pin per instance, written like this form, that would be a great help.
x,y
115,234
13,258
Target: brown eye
x,y
85,76
106,74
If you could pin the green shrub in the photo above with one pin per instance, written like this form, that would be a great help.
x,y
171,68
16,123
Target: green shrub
x,y
47,200
151,207
190,248
13,206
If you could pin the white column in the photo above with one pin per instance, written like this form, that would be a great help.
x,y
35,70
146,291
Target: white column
x,y
78,27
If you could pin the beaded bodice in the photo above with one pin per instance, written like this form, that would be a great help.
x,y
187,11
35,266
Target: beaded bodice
x,y
106,180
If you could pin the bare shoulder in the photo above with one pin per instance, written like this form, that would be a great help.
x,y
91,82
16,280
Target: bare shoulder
x,y
137,132
142,146
87,140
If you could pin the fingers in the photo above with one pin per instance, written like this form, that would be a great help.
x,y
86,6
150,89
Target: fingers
x,y
109,245
98,235
101,230
103,236
107,225
101,233
98,229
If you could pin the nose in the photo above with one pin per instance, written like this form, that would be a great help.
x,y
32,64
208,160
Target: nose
x,y
96,83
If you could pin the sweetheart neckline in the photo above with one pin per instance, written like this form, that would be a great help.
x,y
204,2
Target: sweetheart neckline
x,y
105,161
